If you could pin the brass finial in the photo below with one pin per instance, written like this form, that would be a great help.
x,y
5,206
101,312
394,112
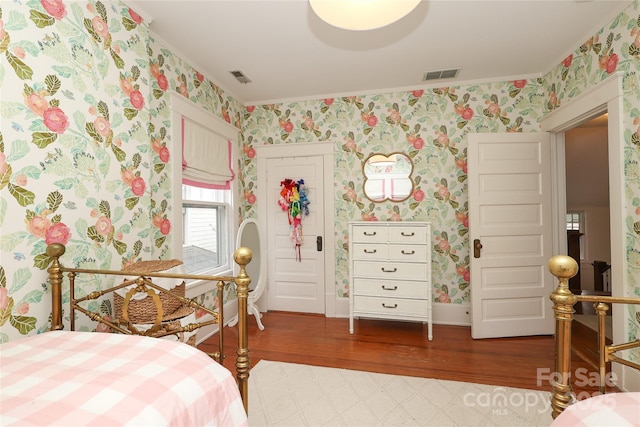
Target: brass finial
x,y
56,250
563,267
242,255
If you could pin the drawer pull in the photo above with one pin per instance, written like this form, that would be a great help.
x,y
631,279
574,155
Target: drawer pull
x,y
389,289
390,306
408,252
408,234
367,251
367,233
384,270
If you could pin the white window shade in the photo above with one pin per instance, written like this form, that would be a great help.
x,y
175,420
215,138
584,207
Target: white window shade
x,y
206,157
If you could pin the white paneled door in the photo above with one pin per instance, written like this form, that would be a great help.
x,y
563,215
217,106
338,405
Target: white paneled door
x,y
510,222
296,279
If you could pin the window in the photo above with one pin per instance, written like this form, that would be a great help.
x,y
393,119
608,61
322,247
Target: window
x,y
575,221
204,228
203,190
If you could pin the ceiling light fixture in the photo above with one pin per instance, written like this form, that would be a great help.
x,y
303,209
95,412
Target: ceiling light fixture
x,y
362,15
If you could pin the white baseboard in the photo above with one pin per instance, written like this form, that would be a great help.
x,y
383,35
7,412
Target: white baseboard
x,y
230,310
631,380
342,307
451,314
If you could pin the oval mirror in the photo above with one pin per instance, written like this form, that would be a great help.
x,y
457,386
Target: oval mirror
x,y
388,177
249,236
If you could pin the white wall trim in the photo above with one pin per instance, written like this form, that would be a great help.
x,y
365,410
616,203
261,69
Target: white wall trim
x,y
342,308
325,149
607,97
590,103
183,107
203,117
451,314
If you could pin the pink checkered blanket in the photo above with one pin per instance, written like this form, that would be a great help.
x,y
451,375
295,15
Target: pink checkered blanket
x,y
83,378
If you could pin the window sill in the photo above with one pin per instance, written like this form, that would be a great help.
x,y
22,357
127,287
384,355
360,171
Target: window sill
x,y
196,288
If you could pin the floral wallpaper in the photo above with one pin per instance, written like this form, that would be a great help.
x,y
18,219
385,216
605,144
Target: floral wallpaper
x,y
85,137
431,126
84,159
615,48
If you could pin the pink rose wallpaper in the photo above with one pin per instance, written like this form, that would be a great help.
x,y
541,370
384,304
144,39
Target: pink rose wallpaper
x,y
86,160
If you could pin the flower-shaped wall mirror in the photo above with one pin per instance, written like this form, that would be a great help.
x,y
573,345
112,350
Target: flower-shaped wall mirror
x,y
388,177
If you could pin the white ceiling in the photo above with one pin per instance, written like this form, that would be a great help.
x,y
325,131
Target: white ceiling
x,y
288,53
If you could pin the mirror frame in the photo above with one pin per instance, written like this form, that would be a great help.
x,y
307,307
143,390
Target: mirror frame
x,y
387,199
258,284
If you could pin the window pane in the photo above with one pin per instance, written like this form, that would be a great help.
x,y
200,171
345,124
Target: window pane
x,y
203,194
574,221
201,234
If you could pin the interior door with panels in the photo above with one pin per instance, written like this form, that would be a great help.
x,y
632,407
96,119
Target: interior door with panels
x,y
511,233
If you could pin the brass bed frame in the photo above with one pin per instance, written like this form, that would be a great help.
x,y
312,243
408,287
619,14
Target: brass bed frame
x,y
563,268
142,282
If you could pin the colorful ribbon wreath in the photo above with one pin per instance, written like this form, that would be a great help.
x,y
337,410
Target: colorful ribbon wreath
x,y
293,200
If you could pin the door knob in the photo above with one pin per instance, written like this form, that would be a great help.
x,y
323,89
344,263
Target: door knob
x,y
319,243
476,248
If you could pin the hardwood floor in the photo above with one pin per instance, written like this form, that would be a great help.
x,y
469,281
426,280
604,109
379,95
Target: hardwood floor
x,y
401,348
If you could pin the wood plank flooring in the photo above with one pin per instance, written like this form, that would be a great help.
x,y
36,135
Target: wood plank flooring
x,y
401,348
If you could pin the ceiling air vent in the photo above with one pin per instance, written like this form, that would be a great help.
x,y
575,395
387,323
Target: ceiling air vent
x,y
440,74
240,76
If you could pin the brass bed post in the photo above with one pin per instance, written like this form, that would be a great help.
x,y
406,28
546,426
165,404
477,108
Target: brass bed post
x,y
243,256
563,268
601,311
55,251
220,286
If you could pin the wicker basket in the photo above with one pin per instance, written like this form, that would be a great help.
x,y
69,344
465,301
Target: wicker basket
x,y
181,317
143,310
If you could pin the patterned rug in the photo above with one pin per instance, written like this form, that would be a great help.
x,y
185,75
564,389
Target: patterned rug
x,y
287,394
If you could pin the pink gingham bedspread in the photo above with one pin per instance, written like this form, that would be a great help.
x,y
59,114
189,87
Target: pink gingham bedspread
x,y
68,378
614,409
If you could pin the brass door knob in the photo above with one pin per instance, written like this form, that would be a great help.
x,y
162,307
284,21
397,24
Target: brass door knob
x,y
476,248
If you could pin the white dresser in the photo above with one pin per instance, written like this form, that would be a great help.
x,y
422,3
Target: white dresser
x,y
390,271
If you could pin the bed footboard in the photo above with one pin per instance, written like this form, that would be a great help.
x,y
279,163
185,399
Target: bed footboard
x,y
563,268
141,282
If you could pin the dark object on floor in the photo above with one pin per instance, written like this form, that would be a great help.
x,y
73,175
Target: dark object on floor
x,y
599,283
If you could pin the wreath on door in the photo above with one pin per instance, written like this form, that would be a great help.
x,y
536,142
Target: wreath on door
x,y
293,200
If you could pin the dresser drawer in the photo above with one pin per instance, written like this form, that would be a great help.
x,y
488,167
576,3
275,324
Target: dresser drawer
x,y
369,234
390,306
408,253
408,234
390,288
390,270
370,251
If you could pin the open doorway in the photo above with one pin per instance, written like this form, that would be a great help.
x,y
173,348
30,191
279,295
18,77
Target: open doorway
x,y
588,213
605,96
587,192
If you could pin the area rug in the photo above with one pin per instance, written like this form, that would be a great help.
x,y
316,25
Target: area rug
x,y
288,394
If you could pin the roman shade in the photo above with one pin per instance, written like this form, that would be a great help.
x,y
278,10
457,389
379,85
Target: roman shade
x,y
206,157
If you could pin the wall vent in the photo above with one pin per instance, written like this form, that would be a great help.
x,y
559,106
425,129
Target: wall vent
x,y
440,74
240,76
